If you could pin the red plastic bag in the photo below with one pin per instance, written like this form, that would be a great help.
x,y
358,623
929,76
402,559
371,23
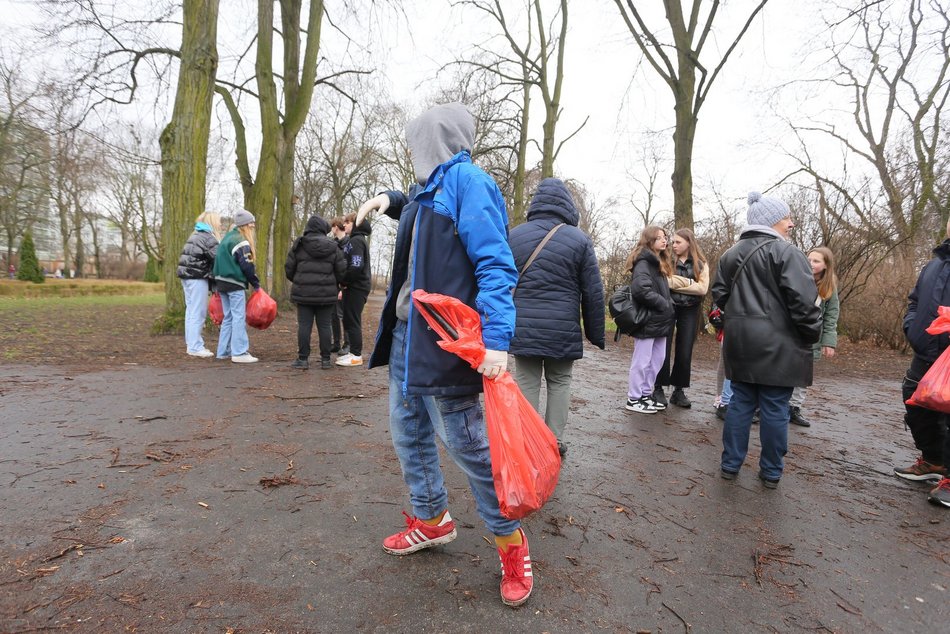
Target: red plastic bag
x,y
215,309
261,310
933,390
524,456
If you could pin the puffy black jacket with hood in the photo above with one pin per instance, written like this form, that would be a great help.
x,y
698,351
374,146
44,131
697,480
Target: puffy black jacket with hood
x,y
356,251
771,312
932,290
315,265
562,284
649,288
197,257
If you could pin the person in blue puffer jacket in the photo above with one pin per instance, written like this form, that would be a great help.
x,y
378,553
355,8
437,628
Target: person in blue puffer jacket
x,y
452,239
560,285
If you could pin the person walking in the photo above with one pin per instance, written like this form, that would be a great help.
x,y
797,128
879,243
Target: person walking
x,y
233,272
340,346
688,287
356,287
768,296
452,239
822,262
195,270
559,283
315,266
930,429
649,266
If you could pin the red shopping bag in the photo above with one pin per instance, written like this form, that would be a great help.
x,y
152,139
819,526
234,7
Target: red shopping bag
x,y
261,310
215,309
933,390
524,456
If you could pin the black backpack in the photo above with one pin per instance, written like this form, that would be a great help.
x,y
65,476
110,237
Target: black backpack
x,y
629,316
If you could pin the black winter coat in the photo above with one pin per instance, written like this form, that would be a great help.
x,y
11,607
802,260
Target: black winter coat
x,y
315,265
649,288
771,313
356,251
562,284
197,257
932,290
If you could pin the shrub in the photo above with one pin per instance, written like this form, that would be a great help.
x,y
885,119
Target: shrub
x,y
29,265
153,271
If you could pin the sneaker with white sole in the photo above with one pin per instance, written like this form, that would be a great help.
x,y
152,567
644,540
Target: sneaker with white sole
x,y
922,471
517,579
244,358
640,405
419,535
349,360
204,353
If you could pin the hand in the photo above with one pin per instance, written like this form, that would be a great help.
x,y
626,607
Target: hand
x,y
828,352
377,203
494,364
339,296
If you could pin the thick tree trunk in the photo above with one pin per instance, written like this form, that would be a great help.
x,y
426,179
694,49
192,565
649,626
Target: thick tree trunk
x,y
184,145
683,136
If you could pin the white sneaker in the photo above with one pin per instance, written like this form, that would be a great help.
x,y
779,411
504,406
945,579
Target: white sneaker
x,y
244,358
204,353
349,360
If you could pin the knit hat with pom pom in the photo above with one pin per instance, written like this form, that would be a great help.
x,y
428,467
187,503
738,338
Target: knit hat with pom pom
x,y
765,210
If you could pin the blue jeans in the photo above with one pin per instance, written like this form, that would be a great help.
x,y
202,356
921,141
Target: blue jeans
x,y
773,427
726,395
196,310
415,421
233,341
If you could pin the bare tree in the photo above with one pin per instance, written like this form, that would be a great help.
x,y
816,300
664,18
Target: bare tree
x,y
679,65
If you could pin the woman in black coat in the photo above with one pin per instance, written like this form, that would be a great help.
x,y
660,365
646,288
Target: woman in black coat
x,y
650,268
316,267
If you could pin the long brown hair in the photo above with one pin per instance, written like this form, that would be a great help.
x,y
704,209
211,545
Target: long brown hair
x,y
647,237
828,281
695,252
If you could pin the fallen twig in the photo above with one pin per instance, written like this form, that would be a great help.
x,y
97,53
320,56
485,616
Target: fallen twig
x,y
276,481
685,624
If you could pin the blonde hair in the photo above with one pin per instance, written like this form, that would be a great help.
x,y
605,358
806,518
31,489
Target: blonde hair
x,y
213,220
828,281
647,237
248,233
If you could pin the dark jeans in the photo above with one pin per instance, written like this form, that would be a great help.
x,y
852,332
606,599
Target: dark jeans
x,y
772,402
930,429
306,315
353,302
687,320
337,320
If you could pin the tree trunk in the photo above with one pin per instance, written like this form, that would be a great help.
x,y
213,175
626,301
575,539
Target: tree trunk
x,y
184,145
520,202
683,135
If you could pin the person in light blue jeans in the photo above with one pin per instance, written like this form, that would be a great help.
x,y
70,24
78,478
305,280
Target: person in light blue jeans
x,y
233,272
195,270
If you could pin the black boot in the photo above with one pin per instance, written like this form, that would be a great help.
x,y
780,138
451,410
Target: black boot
x,y
300,364
659,398
795,417
678,398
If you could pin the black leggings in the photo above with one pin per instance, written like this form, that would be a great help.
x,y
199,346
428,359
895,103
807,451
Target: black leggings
x,y
930,429
687,319
353,302
306,315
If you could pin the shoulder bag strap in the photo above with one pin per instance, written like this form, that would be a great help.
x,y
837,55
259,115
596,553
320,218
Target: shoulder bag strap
x,y
535,253
746,261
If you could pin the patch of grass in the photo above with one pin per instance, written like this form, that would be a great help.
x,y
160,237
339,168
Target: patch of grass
x,y
15,289
27,304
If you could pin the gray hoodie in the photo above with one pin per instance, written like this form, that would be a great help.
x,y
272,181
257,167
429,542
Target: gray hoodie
x,y
437,135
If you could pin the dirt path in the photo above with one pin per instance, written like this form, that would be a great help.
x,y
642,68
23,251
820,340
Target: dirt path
x,y
136,498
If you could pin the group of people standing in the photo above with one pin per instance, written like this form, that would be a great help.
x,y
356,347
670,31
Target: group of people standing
x,y
329,267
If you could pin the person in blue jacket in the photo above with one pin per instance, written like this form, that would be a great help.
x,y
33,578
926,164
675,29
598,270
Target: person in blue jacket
x,y
452,239
559,286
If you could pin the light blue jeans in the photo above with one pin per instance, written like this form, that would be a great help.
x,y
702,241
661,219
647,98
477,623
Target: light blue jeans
x,y
196,310
233,339
414,423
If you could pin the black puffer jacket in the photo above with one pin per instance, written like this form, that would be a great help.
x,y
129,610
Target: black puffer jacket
x,y
562,284
932,290
315,265
356,251
649,288
772,317
197,257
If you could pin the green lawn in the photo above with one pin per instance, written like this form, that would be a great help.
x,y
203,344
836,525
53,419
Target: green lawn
x,y
26,304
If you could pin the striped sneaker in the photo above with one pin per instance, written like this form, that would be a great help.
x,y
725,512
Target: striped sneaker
x,y
419,535
921,471
517,580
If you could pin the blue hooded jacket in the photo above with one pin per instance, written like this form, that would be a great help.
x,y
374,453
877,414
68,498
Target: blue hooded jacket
x,y
561,285
931,291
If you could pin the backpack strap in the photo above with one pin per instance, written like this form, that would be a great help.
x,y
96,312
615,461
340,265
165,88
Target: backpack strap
x,y
535,253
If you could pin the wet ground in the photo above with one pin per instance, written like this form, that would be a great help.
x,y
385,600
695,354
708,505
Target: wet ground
x,y
141,490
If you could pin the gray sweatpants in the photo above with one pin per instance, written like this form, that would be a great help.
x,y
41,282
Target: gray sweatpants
x,y
557,376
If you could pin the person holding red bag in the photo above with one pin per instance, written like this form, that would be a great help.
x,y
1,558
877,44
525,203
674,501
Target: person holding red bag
x,y
233,272
452,239
930,429
195,266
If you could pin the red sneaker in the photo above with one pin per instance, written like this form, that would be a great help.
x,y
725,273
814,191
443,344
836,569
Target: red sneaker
x,y
516,578
921,471
419,535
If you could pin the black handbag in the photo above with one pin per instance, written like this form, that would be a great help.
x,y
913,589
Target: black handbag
x,y
629,316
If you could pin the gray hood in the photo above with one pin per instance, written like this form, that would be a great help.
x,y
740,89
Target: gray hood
x,y
437,135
